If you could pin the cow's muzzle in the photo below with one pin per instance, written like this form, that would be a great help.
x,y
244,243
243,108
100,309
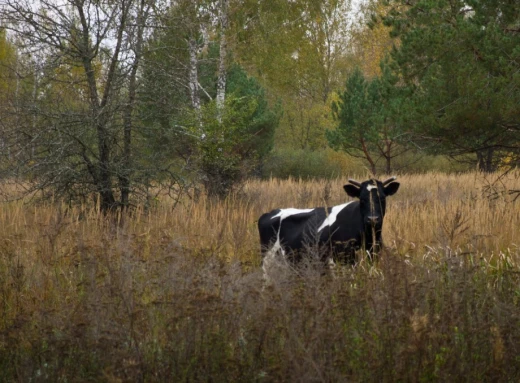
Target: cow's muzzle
x,y
373,220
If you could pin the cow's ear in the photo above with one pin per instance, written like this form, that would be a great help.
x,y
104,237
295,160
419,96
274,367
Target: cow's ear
x,y
392,188
352,190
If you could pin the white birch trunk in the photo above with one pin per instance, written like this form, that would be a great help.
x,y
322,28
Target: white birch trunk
x,y
221,82
193,79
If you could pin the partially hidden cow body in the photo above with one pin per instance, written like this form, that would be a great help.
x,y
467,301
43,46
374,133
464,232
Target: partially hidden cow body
x,y
336,232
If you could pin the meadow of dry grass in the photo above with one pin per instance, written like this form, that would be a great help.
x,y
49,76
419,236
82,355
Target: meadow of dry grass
x,y
175,293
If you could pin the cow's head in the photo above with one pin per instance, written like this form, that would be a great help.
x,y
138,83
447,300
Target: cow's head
x,y
372,196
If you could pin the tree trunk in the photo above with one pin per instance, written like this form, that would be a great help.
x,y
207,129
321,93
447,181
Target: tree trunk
x,y
388,156
126,171
368,157
221,82
103,177
485,161
108,201
193,76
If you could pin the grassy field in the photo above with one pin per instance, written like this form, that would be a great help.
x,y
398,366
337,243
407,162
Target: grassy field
x,y
175,293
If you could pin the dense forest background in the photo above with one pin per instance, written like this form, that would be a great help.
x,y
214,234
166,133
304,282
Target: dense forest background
x,y
125,99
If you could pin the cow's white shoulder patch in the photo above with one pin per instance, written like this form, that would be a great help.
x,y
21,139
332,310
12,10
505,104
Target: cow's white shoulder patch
x,y
284,213
277,246
331,218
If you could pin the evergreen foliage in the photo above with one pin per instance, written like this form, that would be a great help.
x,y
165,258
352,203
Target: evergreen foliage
x,y
228,149
368,115
462,60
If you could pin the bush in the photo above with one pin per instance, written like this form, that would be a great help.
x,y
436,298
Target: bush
x,y
415,162
107,315
306,164
326,163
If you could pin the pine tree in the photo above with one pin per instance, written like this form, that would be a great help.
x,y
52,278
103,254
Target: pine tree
x,y
462,58
367,114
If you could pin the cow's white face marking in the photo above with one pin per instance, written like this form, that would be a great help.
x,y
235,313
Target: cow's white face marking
x,y
329,221
370,187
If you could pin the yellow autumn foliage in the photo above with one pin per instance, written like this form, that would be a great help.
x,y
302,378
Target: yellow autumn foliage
x,y
372,43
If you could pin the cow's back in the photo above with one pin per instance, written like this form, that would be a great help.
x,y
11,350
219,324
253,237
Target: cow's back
x,y
289,229
300,230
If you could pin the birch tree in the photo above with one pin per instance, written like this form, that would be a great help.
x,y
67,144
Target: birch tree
x,y
211,114
299,50
371,40
221,81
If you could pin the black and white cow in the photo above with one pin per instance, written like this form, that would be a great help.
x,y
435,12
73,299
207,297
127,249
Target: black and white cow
x,y
338,231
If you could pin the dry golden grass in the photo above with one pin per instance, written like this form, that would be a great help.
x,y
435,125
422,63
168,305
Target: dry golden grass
x,y
429,211
176,294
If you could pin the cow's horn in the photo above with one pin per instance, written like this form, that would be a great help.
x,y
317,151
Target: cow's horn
x,y
353,182
389,180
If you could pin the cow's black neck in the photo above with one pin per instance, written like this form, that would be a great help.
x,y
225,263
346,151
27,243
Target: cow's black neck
x,y
370,243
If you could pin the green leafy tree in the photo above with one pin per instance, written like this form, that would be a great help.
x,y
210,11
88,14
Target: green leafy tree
x,y
354,111
298,50
264,119
166,89
367,116
227,149
7,63
462,59
188,122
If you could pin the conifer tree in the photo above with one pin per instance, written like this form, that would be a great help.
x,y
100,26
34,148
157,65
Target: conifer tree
x,y
462,59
